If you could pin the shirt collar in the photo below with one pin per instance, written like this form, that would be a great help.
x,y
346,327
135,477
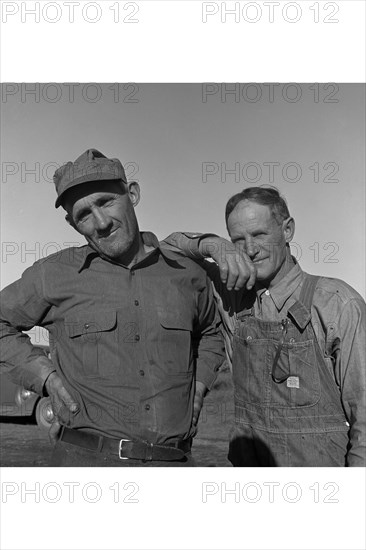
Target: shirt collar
x,y
282,291
148,238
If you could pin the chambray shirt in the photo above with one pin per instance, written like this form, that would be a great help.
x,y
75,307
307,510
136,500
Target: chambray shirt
x,y
338,316
123,340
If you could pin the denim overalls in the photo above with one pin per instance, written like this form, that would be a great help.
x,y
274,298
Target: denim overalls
x,y
288,409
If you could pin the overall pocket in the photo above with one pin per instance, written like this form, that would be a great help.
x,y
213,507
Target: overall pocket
x,y
302,388
254,351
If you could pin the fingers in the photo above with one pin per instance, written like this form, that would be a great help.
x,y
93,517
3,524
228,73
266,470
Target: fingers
x,y
253,276
54,431
197,406
67,400
231,270
224,270
250,272
60,397
236,268
237,271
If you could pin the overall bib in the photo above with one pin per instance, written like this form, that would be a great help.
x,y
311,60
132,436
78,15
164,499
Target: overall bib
x,y
288,409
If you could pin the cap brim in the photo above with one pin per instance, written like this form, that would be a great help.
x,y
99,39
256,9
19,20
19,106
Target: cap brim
x,y
87,179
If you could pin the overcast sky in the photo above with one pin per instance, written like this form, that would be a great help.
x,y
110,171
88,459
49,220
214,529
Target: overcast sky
x,y
180,142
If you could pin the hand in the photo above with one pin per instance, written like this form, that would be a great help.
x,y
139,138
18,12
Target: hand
x,y
60,398
236,268
201,391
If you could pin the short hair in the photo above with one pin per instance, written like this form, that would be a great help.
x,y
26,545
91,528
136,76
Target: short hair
x,y
267,196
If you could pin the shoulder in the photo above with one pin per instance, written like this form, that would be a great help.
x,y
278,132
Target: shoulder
x,y
187,272
337,289
338,309
179,260
72,256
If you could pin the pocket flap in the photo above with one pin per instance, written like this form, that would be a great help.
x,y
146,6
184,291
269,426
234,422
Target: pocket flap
x,y
88,323
175,319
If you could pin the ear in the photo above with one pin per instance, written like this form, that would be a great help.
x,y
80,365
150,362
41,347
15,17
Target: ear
x,y
133,190
288,228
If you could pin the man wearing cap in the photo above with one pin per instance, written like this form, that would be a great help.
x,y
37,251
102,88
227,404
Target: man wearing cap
x,y
134,334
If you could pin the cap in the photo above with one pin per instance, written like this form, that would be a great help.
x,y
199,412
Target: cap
x,y
90,166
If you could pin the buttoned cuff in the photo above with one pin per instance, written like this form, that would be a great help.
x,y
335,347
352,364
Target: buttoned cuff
x,y
195,241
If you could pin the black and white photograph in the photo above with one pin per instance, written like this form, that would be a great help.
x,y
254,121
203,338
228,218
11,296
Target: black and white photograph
x,y
187,261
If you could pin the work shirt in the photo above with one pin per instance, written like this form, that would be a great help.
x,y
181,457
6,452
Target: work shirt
x,y
338,317
123,340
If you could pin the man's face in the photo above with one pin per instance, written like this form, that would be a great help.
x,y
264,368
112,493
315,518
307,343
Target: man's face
x,y
103,212
253,226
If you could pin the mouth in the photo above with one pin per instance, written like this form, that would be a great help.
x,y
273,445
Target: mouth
x,y
110,235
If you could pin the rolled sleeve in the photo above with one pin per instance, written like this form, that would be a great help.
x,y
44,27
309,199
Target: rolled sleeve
x,y
22,306
352,361
187,243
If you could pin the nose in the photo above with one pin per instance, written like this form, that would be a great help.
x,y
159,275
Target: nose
x,y
102,221
253,248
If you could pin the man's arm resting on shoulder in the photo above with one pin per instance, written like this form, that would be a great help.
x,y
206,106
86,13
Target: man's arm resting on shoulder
x,y
236,269
22,306
352,361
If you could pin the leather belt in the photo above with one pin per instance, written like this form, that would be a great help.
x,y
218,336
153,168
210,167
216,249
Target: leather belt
x,y
126,448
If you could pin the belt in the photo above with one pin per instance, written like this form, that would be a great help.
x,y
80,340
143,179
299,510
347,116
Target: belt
x,y
126,448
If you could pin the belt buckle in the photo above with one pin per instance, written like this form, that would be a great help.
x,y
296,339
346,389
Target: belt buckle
x,y
120,449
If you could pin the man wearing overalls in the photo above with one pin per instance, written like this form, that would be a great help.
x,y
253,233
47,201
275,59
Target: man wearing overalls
x,y
296,342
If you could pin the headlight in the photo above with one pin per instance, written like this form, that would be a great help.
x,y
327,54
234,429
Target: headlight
x,y
24,394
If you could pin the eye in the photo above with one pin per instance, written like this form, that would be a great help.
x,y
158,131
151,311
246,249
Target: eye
x,y
82,216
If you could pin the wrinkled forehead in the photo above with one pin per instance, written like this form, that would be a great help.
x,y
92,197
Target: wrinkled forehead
x,y
90,192
249,213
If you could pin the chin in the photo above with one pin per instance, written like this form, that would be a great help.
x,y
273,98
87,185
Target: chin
x,y
261,271
263,275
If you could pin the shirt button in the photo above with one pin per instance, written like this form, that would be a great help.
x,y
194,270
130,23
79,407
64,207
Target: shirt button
x,y
86,325
249,338
267,293
132,273
137,337
137,303
147,407
292,340
142,373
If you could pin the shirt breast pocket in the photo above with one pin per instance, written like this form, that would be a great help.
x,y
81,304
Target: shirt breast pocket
x,y
93,337
175,341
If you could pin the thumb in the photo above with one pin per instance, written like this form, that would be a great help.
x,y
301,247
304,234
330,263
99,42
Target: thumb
x,y
68,401
197,406
54,431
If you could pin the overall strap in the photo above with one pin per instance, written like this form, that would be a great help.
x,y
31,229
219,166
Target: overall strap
x,y
301,310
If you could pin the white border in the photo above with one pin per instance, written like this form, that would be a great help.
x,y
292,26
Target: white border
x,y
172,44
169,42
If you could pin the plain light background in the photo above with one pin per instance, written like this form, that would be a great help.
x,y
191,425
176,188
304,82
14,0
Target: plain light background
x,y
191,147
